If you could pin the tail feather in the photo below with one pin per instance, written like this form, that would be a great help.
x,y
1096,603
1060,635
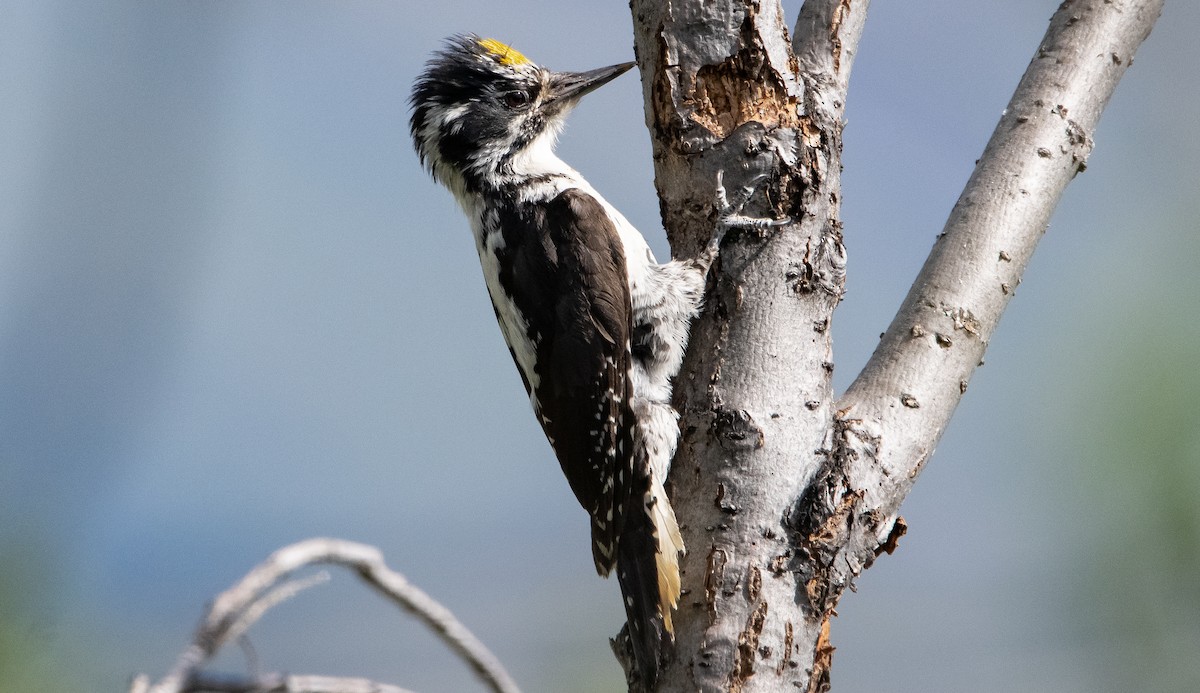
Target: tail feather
x,y
638,575
666,555
648,572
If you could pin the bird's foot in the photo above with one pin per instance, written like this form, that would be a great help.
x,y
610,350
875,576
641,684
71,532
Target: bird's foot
x,y
729,214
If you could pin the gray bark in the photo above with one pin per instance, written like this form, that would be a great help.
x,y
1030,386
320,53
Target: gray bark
x,y
784,493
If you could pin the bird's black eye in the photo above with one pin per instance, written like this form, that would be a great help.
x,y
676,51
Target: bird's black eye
x,y
515,99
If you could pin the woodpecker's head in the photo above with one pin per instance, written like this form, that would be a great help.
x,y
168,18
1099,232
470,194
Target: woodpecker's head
x,y
482,112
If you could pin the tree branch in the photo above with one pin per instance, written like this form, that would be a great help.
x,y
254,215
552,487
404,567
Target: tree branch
x,y
280,683
891,418
825,42
267,584
909,388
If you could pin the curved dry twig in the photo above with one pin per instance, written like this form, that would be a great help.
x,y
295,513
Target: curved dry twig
x,y
278,683
267,584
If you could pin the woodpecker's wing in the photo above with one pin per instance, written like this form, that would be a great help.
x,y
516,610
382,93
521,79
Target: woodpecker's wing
x,y
569,279
588,367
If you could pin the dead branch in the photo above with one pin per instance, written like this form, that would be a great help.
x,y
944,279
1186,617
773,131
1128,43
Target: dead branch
x,y
269,584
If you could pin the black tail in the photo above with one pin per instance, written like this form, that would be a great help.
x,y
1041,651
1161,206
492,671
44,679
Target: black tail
x,y
637,573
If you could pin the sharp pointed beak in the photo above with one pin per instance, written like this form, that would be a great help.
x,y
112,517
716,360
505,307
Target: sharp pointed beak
x,y
568,87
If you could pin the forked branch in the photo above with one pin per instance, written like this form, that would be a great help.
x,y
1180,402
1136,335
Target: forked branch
x,y
784,492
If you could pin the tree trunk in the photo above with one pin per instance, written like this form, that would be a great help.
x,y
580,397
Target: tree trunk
x,y
783,492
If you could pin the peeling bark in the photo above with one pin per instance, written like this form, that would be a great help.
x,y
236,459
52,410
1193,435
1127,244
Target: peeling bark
x,y
726,93
784,493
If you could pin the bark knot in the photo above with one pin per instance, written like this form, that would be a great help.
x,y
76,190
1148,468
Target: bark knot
x,y
736,429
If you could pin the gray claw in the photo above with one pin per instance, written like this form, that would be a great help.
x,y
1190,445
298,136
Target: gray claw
x,y
730,215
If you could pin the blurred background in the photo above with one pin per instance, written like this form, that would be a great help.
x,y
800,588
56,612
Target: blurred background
x,y
235,313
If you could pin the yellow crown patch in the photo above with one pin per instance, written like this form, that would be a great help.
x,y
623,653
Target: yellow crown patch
x,y
506,54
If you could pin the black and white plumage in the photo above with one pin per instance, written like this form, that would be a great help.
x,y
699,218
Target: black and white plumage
x,y
596,326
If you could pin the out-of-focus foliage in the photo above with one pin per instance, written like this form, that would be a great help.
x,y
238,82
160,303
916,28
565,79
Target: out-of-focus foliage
x,y
29,660
1138,459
